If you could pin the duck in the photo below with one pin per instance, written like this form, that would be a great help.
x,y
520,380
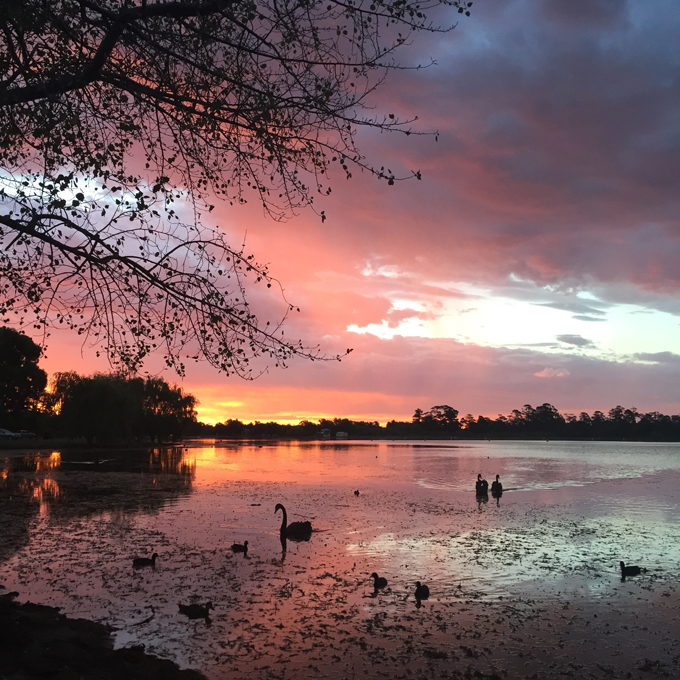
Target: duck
x,y
356,493
238,548
196,611
297,531
140,562
379,582
630,570
481,486
496,487
422,591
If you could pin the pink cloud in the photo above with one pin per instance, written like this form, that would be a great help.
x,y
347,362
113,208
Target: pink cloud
x,y
552,373
556,162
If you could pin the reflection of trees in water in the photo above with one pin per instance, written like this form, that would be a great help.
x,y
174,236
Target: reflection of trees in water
x,y
33,462
174,460
60,488
17,511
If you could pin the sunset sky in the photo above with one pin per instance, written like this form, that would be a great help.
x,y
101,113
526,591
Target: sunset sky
x,y
536,261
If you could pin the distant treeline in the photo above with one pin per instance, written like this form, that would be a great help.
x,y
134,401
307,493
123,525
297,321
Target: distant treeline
x,y
443,422
115,408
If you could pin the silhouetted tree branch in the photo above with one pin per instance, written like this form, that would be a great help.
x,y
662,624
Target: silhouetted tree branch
x,y
121,120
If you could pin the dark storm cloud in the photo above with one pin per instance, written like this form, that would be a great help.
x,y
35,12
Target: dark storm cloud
x,y
602,13
559,143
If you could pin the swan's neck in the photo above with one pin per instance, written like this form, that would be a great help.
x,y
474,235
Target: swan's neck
x,y
284,521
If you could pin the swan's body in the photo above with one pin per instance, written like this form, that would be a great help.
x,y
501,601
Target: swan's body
x,y
496,487
297,531
481,486
422,591
140,562
196,611
379,582
630,571
238,548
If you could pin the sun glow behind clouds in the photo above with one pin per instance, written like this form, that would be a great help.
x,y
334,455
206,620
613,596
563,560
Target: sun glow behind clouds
x,y
543,319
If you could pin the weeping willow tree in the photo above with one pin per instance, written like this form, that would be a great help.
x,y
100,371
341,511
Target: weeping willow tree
x,y
122,122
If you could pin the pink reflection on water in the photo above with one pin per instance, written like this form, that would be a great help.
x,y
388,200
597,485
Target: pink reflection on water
x,y
497,572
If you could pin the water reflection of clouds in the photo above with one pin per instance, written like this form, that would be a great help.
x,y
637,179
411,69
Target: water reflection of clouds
x,y
540,546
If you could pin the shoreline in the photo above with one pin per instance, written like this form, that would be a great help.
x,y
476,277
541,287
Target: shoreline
x,y
38,641
21,446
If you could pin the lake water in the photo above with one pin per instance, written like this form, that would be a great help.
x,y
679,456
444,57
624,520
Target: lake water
x,y
527,585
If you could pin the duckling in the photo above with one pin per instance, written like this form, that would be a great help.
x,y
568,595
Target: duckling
x,y
379,582
422,591
631,570
140,562
196,611
356,493
238,548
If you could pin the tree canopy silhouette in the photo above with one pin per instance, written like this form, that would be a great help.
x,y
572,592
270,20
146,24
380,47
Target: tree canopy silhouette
x,y
22,381
121,120
112,407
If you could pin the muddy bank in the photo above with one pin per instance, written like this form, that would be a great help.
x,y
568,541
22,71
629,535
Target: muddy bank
x,y
39,642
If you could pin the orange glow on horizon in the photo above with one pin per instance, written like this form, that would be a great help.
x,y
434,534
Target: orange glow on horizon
x,y
290,406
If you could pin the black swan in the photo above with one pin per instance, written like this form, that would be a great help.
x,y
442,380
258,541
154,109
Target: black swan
x,y
379,582
481,486
196,611
631,570
140,562
238,548
297,531
422,591
496,487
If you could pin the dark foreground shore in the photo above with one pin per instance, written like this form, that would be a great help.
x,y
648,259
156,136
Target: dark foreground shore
x,y
39,642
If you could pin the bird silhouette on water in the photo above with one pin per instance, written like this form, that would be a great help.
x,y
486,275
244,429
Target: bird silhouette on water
x,y
496,487
197,611
422,591
296,531
238,548
481,486
356,493
141,562
379,582
630,570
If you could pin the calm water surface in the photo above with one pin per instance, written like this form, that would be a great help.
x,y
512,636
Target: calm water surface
x,y
528,583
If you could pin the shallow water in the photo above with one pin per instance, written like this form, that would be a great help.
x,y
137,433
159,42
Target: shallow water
x,y
525,584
